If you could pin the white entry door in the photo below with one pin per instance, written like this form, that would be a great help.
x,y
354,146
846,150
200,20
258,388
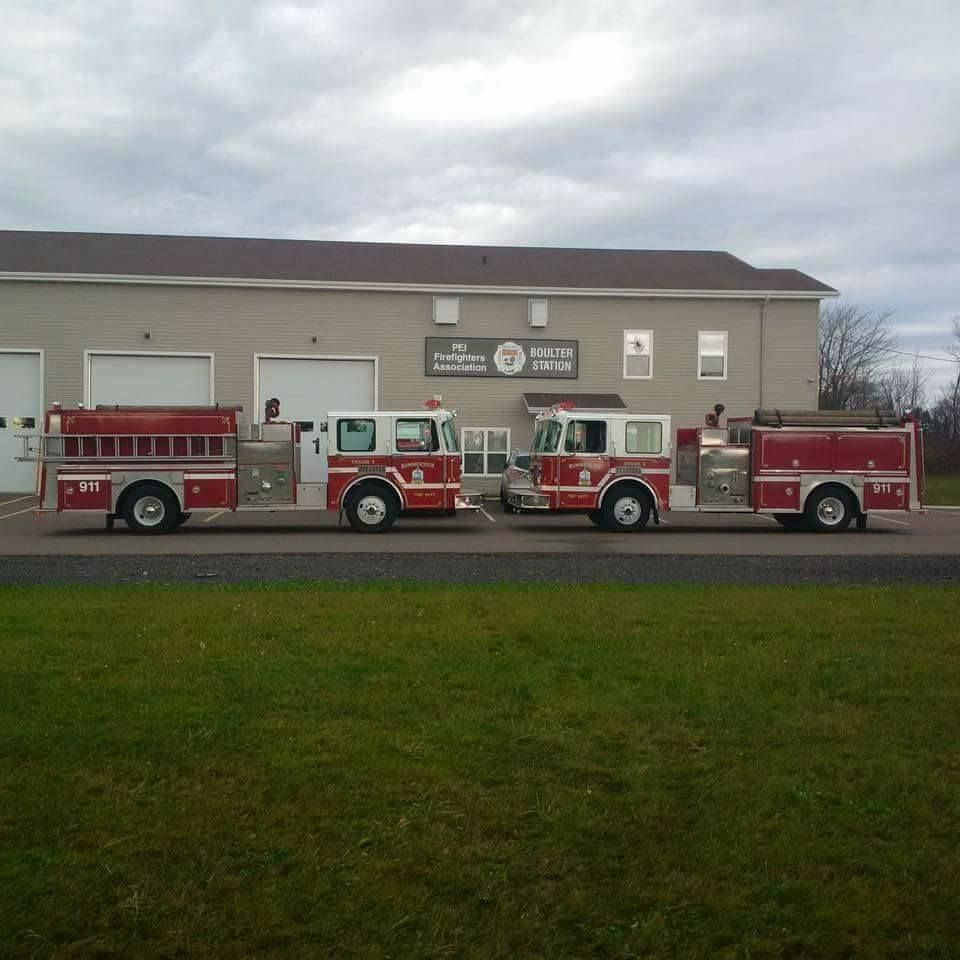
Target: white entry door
x,y
21,411
308,389
146,379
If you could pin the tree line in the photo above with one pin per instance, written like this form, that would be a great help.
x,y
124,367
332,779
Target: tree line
x,y
859,368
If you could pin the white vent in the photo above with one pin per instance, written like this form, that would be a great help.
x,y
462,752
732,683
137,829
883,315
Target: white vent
x,y
446,310
537,312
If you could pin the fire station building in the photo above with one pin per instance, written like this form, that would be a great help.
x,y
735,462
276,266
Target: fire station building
x,y
499,333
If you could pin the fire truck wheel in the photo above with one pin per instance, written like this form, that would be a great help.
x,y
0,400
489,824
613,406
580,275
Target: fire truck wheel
x,y
596,516
626,509
372,508
829,509
182,519
151,508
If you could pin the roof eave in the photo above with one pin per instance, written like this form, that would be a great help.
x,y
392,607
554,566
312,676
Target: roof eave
x,y
387,287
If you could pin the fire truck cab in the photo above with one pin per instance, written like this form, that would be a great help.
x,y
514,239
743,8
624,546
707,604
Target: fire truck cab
x,y
809,470
155,466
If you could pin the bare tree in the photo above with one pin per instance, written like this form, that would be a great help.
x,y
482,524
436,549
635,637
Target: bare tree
x,y
855,344
904,388
945,415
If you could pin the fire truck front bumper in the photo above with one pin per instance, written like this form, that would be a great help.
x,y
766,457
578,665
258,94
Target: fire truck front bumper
x,y
468,501
524,496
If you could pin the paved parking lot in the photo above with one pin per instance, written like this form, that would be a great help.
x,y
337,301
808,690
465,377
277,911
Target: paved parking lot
x,y
22,533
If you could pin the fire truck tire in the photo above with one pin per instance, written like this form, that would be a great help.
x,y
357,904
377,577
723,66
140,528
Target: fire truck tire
x,y
830,509
372,508
150,508
625,509
182,519
596,516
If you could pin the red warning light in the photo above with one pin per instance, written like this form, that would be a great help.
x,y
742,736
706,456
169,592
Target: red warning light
x,y
432,404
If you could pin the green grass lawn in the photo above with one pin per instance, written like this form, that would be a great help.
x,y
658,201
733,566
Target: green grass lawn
x,y
490,772
943,489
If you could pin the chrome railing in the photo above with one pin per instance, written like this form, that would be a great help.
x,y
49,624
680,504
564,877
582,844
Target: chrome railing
x,y
58,447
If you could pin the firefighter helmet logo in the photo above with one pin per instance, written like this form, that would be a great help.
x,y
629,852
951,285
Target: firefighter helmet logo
x,y
510,358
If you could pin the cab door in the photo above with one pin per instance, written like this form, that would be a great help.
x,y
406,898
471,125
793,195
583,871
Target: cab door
x,y
418,462
583,463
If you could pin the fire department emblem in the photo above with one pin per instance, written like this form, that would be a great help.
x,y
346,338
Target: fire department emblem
x,y
584,478
417,476
510,358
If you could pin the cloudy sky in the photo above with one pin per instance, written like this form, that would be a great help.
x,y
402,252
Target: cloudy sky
x,y
823,136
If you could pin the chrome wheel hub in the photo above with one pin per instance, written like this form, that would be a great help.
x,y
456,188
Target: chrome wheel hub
x,y
626,511
149,511
831,511
371,510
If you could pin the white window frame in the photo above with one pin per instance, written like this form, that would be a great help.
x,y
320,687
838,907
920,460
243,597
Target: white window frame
x,y
90,355
726,353
445,307
486,452
623,347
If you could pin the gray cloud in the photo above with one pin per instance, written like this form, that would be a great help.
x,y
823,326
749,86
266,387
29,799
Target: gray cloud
x,y
792,134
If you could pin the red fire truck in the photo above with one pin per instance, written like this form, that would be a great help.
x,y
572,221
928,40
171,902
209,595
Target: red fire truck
x,y
155,466
809,470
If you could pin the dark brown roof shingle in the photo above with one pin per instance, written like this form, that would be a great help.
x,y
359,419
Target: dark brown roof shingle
x,y
141,255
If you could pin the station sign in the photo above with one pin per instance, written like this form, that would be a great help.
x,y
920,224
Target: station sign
x,y
489,357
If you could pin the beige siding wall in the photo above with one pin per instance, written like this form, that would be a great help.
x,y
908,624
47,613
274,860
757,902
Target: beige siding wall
x,y
235,323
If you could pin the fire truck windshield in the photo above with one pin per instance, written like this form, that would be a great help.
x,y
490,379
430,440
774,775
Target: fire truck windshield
x,y
547,438
450,437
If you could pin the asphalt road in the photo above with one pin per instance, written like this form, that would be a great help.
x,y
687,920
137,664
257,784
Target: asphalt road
x,y
470,548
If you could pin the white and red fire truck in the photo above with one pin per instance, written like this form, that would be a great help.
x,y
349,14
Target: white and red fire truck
x,y
815,470
155,466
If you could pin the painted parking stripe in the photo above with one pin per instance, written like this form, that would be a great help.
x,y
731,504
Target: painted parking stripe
x,y
7,516
213,516
763,516
901,523
6,503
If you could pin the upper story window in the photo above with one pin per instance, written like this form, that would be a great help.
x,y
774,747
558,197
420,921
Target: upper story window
x,y
446,310
356,436
586,436
637,354
712,355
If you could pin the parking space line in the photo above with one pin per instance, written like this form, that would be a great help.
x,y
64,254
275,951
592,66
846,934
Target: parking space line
x,y
213,516
763,516
902,523
7,516
6,503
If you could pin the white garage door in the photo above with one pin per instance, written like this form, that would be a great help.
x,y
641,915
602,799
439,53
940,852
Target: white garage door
x,y
308,389
148,379
21,411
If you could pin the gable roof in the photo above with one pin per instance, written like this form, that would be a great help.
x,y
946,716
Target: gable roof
x,y
115,255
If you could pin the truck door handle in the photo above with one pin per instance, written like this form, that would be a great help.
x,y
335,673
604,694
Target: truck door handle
x,y
316,445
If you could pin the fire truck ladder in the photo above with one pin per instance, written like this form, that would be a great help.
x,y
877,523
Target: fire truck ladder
x,y
51,447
